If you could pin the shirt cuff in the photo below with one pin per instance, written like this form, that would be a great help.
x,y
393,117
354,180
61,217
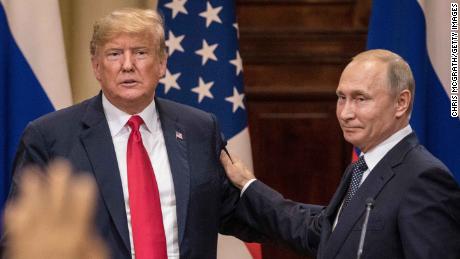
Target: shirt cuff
x,y
247,185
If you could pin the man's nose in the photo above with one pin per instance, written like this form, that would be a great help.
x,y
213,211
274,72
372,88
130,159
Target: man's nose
x,y
347,110
128,63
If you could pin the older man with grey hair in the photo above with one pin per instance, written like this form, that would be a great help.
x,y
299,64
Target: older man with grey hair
x,y
416,199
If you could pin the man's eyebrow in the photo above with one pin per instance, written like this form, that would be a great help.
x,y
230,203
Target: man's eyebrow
x,y
358,92
141,47
352,93
112,49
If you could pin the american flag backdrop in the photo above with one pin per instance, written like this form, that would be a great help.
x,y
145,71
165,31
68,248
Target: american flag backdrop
x,y
204,64
205,70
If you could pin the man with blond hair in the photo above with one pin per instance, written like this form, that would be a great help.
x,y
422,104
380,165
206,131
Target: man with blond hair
x,y
416,210
162,192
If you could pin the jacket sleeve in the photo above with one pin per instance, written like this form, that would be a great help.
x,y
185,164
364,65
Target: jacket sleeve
x,y
32,150
429,218
294,224
229,196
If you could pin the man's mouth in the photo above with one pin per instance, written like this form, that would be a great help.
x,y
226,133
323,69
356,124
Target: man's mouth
x,y
349,128
129,83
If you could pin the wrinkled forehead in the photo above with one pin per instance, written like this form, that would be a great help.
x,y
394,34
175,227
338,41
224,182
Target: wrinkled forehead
x,y
140,38
128,40
364,75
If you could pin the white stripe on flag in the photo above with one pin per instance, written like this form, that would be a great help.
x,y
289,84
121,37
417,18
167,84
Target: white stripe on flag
x,y
437,20
240,145
229,247
36,27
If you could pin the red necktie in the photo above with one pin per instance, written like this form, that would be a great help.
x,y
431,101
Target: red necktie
x,y
144,199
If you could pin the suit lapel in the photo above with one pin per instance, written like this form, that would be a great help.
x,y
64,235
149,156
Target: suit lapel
x,y
338,195
176,145
371,187
98,144
355,209
332,210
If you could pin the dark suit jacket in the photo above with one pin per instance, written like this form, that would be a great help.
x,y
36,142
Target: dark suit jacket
x,y
205,199
416,213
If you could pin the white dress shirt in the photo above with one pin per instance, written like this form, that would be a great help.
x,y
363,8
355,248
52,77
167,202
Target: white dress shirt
x,y
373,157
154,143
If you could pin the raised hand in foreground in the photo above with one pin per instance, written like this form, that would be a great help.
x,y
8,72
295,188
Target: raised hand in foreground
x,y
52,216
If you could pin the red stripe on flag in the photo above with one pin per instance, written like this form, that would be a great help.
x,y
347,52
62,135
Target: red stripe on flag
x,y
255,250
354,155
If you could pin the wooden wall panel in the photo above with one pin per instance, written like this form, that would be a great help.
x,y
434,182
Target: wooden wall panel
x,y
291,155
290,14
277,78
300,47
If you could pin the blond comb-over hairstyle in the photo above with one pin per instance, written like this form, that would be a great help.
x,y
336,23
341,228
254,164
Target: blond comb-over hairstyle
x,y
132,21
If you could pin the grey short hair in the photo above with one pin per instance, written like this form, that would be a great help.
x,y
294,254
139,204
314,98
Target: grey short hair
x,y
399,73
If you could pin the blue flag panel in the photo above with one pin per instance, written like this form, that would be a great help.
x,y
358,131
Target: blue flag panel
x,y
22,99
399,26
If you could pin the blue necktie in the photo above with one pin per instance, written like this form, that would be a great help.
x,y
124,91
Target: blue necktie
x,y
359,167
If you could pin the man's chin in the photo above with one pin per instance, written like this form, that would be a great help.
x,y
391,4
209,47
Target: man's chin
x,y
135,95
352,138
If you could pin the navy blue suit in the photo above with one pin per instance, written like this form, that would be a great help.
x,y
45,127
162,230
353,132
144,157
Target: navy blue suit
x,y
205,199
416,213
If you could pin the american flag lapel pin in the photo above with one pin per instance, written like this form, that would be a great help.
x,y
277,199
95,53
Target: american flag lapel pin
x,y
179,135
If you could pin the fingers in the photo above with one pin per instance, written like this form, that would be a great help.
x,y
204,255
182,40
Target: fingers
x,y
228,159
95,249
71,200
236,171
70,196
82,202
52,215
19,212
225,159
59,184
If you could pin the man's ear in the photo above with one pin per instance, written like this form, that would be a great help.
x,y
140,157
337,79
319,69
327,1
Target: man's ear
x,y
96,67
403,101
163,65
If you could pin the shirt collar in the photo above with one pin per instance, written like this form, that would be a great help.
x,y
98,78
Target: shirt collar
x,y
373,156
117,118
